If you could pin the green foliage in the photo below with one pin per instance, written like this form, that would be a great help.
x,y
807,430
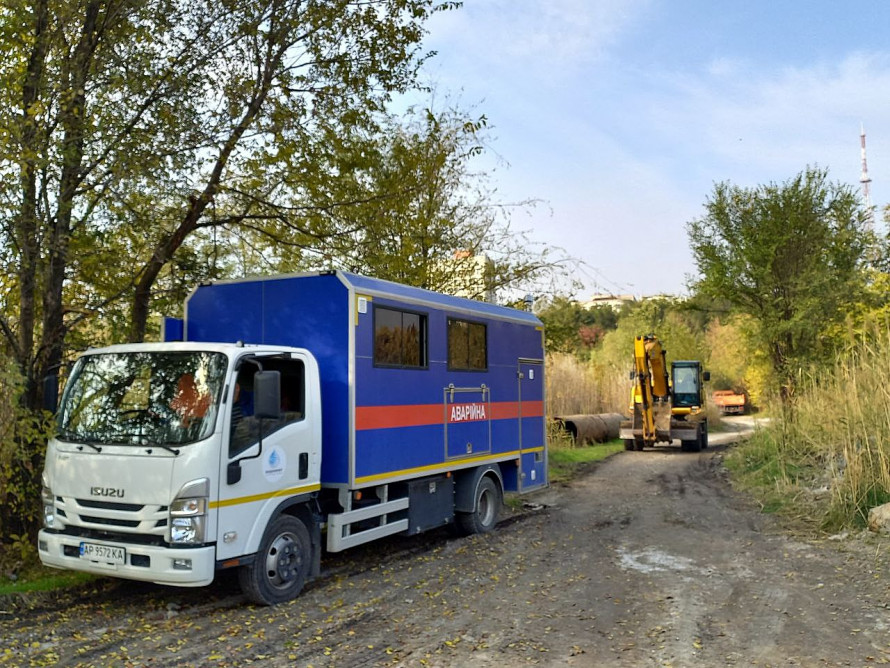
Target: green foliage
x,y
569,327
20,467
832,461
668,319
401,201
791,256
735,362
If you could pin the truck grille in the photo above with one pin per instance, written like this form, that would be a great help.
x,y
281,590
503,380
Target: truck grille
x,y
89,515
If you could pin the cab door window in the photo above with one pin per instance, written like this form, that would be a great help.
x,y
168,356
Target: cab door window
x,y
245,426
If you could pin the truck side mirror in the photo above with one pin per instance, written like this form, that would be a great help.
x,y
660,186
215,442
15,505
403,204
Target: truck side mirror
x,y
51,393
267,394
706,375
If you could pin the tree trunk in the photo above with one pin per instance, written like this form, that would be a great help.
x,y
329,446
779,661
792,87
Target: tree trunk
x,y
72,118
26,225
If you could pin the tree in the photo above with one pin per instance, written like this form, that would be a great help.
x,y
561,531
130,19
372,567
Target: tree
x,y
563,319
664,317
130,126
569,327
127,127
402,202
789,255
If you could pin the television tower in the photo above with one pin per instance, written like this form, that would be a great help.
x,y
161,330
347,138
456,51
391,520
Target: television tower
x,y
865,180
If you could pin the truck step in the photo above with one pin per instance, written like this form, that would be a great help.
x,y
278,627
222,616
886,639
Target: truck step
x,y
337,541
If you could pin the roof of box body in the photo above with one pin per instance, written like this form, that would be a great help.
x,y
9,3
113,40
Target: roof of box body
x,y
376,287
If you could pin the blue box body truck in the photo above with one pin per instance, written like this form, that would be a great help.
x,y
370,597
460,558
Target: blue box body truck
x,y
296,413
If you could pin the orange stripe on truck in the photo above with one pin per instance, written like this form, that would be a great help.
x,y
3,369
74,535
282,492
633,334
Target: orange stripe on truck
x,y
418,415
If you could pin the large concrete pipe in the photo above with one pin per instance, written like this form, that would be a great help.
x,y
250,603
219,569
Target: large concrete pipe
x,y
596,428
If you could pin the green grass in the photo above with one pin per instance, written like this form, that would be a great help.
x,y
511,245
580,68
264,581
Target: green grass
x,y
566,462
44,579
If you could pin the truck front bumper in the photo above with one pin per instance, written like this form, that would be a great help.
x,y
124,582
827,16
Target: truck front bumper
x,y
181,567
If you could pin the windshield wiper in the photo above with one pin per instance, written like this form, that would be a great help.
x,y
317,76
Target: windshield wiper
x,y
78,440
165,447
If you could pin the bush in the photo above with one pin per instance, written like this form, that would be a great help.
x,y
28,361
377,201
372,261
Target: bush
x,y
829,456
23,437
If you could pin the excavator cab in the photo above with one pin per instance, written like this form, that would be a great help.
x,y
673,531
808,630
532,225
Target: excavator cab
x,y
686,384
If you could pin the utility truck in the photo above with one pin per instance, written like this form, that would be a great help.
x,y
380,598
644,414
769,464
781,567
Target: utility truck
x,y
295,414
665,406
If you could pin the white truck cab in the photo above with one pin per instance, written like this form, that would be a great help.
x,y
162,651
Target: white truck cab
x,y
138,480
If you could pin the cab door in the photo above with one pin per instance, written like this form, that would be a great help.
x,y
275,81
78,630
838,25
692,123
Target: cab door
x,y
272,459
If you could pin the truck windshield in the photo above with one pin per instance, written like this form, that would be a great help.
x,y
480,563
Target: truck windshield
x,y
142,398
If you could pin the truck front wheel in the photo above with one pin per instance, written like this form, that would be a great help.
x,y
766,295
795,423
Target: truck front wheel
x,y
487,507
279,571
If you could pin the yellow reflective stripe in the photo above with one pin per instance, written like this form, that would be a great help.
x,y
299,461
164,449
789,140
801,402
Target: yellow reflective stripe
x,y
447,465
291,491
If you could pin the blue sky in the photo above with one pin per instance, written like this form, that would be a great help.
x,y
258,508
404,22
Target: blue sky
x,y
620,115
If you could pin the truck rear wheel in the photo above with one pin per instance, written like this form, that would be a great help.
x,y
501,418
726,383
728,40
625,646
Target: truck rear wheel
x,y
487,506
279,571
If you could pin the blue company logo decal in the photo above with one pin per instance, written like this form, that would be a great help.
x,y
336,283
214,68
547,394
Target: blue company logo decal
x,y
275,464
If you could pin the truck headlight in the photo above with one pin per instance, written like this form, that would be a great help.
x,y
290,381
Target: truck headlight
x,y
188,513
49,507
187,530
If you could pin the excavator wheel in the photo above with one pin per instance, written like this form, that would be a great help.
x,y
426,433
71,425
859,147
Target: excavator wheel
x,y
628,444
640,444
696,444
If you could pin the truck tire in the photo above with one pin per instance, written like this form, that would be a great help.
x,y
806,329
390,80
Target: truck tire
x,y
279,571
704,435
487,508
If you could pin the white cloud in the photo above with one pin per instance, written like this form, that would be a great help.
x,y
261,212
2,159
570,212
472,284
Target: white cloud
x,y
540,35
771,125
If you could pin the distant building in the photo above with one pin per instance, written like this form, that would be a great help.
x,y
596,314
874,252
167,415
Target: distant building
x,y
615,301
467,275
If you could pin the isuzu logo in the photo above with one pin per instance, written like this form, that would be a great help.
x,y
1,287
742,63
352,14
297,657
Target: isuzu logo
x,y
112,492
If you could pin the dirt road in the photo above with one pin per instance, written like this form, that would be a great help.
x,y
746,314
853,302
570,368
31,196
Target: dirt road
x,y
650,559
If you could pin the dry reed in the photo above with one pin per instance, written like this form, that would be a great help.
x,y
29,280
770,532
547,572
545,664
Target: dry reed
x,y
577,387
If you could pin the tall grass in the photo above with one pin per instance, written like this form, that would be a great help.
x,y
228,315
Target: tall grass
x,y
831,456
576,387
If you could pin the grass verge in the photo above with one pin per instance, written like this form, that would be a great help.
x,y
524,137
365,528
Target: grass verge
x,y
44,579
566,460
566,463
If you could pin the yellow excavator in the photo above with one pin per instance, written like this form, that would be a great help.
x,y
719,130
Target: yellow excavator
x,y
665,405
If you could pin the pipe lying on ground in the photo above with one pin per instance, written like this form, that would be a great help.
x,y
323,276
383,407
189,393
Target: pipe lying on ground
x,y
597,428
